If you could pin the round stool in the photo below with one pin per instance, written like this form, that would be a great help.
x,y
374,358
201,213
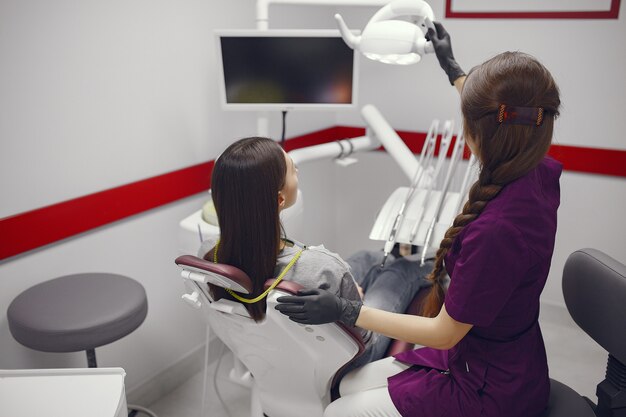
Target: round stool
x,y
77,312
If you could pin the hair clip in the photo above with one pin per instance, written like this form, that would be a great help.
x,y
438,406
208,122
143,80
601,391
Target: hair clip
x,y
520,115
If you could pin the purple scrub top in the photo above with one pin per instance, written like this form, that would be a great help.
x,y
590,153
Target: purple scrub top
x,y
498,266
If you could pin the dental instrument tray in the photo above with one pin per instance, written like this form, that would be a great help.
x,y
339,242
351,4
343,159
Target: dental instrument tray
x,y
416,209
421,213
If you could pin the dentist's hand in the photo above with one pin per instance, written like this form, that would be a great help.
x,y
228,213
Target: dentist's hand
x,y
443,49
319,306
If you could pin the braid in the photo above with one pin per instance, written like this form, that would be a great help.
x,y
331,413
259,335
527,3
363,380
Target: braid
x,y
506,151
481,192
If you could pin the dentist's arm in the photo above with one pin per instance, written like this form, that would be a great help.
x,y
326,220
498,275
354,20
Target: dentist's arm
x,y
320,306
441,332
458,83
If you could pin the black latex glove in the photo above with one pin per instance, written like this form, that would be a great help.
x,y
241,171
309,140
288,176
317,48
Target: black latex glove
x,y
440,38
319,306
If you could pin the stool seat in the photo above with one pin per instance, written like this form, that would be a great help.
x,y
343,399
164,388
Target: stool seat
x,y
77,312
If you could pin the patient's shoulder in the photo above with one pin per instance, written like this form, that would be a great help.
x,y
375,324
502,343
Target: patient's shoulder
x,y
325,257
316,266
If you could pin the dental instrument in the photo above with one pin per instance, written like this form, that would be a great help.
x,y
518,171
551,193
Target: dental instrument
x,y
465,184
428,151
457,153
446,139
200,233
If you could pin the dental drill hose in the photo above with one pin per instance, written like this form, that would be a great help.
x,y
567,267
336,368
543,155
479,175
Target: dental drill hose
x,y
428,148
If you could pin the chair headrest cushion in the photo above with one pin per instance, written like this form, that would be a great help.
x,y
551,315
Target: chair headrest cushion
x,y
226,272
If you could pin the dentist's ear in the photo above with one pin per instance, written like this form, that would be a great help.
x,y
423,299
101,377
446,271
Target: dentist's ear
x,y
281,200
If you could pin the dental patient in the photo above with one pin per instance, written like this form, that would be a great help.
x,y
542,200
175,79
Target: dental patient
x,y
252,182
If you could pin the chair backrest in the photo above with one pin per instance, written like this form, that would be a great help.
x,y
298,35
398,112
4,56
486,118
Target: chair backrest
x,y
293,365
594,287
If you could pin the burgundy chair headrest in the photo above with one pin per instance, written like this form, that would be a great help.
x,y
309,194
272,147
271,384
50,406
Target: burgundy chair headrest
x,y
222,275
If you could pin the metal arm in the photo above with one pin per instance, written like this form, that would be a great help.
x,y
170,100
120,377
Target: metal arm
x,y
428,151
443,151
457,153
378,132
393,144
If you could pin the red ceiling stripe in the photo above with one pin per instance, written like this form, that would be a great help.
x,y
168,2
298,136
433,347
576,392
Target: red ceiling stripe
x,y
612,13
33,229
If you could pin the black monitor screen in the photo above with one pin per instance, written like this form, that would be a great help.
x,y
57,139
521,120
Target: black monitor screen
x,y
299,70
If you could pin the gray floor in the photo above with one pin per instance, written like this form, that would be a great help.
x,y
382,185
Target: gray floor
x,y
574,359
229,400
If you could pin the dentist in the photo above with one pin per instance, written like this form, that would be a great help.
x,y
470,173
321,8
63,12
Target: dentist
x,y
483,351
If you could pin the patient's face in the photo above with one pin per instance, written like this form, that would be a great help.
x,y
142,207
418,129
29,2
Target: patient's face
x,y
290,189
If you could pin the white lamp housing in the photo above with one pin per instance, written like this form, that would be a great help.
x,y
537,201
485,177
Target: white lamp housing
x,y
389,40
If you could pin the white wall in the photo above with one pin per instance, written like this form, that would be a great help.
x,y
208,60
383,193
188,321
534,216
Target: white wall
x,y
587,59
94,95
101,94
141,247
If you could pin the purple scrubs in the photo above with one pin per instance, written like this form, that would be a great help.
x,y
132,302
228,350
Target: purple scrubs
x,y
498,266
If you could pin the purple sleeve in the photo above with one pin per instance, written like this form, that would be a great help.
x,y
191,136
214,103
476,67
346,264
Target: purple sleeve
x,y
490,266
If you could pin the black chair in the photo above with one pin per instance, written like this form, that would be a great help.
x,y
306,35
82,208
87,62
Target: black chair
x,y
594,287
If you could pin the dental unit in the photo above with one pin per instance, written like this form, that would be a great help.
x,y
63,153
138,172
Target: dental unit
x,y
426,155
446,138
457,153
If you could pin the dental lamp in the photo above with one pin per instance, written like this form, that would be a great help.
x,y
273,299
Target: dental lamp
x,y
389,40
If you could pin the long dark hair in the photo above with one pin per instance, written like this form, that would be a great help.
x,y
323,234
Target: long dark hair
x,y
506,152
245,183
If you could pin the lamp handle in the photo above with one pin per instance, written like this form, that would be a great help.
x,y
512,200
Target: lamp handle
x,y
351,40
422,46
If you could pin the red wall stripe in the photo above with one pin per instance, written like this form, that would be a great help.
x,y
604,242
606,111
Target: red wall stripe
x,y
574,158
590,160
32,229
612,13
36,228
323,136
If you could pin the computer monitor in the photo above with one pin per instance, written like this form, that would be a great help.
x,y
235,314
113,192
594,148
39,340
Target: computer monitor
x,y
286,69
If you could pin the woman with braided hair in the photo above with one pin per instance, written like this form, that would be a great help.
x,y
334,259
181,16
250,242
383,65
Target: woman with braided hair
x,y
483,351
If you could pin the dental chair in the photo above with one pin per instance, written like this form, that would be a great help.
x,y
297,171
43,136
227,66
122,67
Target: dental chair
x,y
594,288
291,367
